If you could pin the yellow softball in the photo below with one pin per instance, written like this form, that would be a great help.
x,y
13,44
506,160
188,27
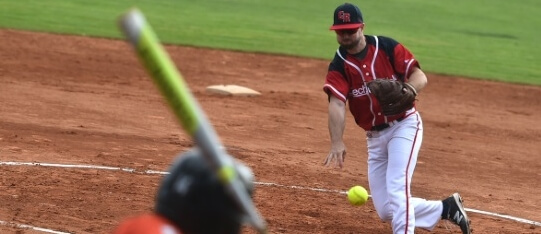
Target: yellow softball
x,y
357,195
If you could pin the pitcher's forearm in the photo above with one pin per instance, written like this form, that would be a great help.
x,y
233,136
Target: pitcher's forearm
x,y
417,79
336,119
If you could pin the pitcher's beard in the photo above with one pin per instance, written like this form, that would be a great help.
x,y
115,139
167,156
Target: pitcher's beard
x,y
350,45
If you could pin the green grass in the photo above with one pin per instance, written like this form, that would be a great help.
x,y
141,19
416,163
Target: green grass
x,y
491,39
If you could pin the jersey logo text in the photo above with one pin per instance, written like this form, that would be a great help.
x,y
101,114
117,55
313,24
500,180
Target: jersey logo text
x,y
360,91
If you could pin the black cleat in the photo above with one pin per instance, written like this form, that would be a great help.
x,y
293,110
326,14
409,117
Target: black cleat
x,y
456,213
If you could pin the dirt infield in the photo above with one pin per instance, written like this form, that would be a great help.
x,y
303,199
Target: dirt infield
x,y
87,101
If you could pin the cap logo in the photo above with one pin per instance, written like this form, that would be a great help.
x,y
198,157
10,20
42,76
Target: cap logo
x,y
345,17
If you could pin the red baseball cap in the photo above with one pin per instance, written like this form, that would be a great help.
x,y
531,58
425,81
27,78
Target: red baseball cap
x,y
347,16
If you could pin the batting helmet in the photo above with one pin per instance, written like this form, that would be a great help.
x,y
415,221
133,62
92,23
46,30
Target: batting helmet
x,y
194,199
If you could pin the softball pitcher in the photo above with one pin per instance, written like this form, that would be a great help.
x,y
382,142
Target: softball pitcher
x,y
380,78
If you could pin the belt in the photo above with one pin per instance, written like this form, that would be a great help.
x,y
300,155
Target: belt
x,y
384,126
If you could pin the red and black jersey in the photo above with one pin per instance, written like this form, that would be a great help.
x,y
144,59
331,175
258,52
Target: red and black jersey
x,y
382,58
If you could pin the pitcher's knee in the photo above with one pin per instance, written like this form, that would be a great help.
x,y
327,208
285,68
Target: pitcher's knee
x,y
385,215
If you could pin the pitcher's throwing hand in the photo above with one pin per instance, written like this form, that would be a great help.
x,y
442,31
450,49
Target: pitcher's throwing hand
x,y
337,155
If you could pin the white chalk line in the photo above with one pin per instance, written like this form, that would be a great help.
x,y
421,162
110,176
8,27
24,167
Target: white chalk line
x,y
24,226
131,170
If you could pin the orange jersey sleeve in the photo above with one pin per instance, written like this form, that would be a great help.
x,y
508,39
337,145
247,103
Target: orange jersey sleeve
x,y
146,224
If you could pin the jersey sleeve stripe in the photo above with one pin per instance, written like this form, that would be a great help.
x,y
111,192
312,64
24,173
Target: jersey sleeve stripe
x,y
408,68
335,92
